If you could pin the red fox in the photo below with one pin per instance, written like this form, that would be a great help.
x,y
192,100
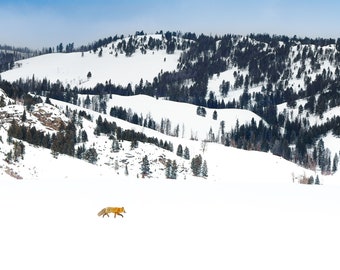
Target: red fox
x,y
116,210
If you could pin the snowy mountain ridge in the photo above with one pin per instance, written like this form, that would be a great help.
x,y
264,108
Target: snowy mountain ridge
x,y
172,62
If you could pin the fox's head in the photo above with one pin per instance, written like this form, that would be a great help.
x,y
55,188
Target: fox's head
x,y
123,210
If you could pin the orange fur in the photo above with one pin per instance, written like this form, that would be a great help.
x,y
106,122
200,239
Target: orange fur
x,y
115,210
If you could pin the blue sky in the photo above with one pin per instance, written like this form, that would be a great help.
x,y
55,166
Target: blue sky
x,y
39,23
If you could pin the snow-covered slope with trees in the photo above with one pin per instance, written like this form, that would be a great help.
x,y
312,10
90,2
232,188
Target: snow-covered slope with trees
x,y
250,205
198,192
86,69
48,119
291,83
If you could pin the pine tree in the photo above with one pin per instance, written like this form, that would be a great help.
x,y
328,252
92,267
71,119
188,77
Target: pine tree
x,y
133,144
80,151
196,164
91,155
9,156
87,101
335,163
2,102
168,168
204,169
84,137
171,169
60,48
311,180
115,146
179,150
317,180
186,154
321,155
174,170
145,167
23,117
18,150
215,115
89,75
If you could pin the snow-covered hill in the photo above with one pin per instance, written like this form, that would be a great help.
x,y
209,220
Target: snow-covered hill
x,y
249,212
182,117
51,221
249,206
73,68
45,117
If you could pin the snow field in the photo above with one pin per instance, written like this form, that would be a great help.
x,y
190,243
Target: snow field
x,y
72,68
168,225
248,214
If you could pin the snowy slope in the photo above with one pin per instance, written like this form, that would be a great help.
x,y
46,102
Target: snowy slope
x,y
72,68
248,207
52,222
331,142
181,115
264,167
247,214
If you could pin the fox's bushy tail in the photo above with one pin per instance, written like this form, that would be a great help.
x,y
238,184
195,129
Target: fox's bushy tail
x,y
102,212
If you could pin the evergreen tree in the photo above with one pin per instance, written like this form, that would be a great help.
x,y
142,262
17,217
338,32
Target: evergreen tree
x,y
179,150
224,88
18,150
321,155
196,164
145,167
317,181
2,101
84,137
170,47
215,115
9,156
133,144
186,154
335,163
23,117
87,101
64,142
171,169
91,155
89,75
204,169
174,170
60,48
115,146
168,168
80,151
311,180
201,111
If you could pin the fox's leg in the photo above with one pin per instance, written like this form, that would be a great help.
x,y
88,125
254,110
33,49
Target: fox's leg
x,y
106,215
120,214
